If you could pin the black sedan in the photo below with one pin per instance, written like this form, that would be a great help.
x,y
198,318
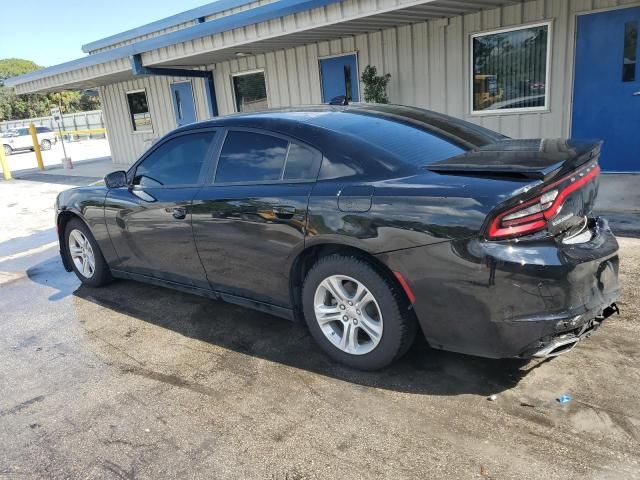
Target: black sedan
x,y
369,223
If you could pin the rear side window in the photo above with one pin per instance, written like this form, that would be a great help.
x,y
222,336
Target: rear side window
x,y
255,157
176,162
302,162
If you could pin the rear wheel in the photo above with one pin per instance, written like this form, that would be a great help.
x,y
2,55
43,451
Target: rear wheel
x,y
357,316
86,258
45,145
7,150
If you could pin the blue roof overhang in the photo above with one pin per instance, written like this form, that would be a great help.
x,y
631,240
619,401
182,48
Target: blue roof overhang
x,y
245,18
172,21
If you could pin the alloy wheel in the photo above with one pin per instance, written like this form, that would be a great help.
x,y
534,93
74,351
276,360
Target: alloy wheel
x,y
82,253
348,314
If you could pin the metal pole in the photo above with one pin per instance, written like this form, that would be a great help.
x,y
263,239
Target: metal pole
x,y
64,150
36,146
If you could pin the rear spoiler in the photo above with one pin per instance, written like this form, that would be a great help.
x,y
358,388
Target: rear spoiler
x,y
539,159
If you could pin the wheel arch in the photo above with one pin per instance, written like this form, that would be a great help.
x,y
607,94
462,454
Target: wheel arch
x,y
305,260
64,217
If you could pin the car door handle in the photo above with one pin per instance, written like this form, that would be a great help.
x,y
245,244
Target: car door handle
x,y
179,213
636,94
284,211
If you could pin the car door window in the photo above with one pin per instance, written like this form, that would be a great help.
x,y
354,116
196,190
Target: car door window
x,y
178,161
249,157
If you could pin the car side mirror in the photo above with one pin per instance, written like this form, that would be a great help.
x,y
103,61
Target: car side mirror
x,y
116,179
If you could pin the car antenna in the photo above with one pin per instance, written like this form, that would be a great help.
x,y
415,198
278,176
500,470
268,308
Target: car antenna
x,y
339,100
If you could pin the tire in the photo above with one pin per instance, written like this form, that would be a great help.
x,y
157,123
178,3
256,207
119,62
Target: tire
x,y
96,274
45,145
7,150
385,313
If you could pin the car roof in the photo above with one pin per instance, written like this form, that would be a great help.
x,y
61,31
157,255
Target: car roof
x,y
333,118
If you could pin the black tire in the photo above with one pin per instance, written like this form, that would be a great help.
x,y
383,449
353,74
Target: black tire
x,y
45,145
7,150
399,323
101,274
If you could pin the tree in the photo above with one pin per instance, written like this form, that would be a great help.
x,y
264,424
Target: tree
x,y
18,107
375,86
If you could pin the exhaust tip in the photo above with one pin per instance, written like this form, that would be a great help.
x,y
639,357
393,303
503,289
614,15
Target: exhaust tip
x,y
557,347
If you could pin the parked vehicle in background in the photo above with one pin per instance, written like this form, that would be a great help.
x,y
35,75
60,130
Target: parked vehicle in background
x,y
20,139
369,222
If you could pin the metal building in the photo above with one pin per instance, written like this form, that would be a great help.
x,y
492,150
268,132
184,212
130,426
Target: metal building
x,y
541,68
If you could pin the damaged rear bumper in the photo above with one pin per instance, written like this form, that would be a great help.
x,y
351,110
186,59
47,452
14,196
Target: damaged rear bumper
x,y
564,342
511,299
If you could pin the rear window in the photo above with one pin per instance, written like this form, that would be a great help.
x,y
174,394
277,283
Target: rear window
x,y
409,144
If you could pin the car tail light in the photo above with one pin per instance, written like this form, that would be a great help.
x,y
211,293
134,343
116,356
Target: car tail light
x,y
533,214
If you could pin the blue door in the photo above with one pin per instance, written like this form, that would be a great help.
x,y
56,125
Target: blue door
x,y
183,106
606,99
339,77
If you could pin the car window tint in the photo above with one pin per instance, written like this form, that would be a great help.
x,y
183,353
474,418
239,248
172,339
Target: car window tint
x,y
176,162
251,157
23,131
302,162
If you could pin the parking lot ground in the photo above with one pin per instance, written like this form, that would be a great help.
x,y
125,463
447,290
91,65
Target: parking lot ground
x,y
79,151
135,381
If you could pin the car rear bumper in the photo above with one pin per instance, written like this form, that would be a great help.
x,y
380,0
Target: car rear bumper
x,y
510,299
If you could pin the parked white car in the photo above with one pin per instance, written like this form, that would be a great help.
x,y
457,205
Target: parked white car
x,y
20,139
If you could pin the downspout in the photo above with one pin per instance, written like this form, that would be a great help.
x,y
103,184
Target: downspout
x,y
137,68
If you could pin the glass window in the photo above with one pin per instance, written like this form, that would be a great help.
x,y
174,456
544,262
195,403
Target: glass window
x,y
176,162
139,111
510,69
630,52
251,92
251,157
302,162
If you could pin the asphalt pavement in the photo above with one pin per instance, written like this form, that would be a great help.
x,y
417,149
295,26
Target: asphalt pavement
x,y
135,381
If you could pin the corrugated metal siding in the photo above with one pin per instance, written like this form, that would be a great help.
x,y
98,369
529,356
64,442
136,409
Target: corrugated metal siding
x,y
127,145
429,63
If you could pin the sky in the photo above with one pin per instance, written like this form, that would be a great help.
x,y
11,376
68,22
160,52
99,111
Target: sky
x,y
49,32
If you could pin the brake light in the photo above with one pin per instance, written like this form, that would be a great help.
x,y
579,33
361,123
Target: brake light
x,y
532,215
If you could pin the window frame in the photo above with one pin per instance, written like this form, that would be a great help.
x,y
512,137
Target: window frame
x,y
205,170
242,74
281,180
131,125
547,91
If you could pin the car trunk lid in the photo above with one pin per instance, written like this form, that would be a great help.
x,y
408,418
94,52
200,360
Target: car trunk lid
x,y
560,196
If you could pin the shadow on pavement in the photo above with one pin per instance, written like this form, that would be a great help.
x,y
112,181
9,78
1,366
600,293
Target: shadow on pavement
x,y
422,371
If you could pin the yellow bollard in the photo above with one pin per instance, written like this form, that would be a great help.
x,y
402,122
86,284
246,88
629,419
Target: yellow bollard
x,y
36,146
5,164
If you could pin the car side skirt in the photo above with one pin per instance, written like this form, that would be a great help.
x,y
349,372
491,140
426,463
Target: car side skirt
x,y
282,312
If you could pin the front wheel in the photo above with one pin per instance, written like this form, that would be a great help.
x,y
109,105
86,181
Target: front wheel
x,y
86,258
45,145
7,150
356,314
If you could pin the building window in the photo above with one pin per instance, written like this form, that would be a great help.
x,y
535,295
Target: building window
x,y
139,111
510,70
250,92
630,52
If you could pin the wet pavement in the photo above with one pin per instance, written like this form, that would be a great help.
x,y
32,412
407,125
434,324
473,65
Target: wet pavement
x,y
135,381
